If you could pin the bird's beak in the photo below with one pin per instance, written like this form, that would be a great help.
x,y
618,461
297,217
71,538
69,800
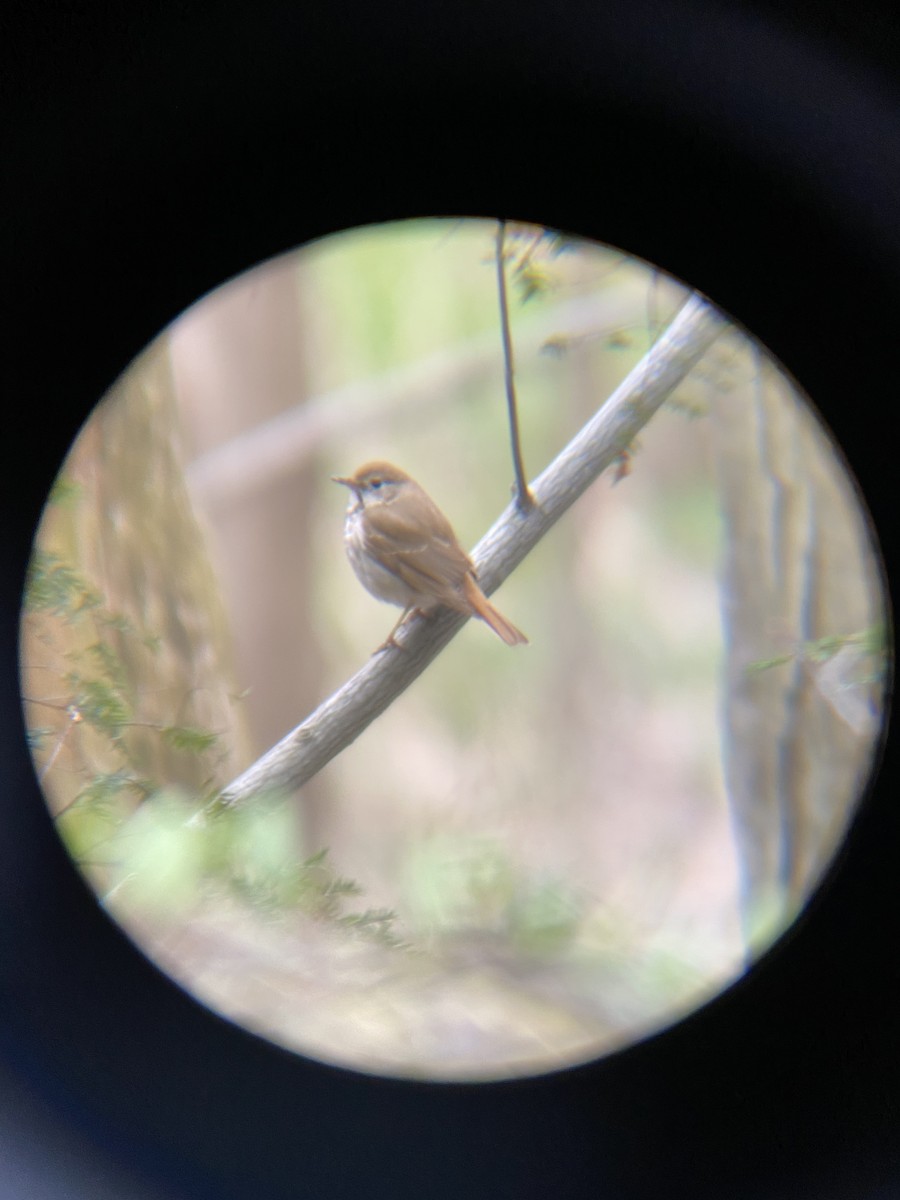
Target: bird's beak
x,y
344,480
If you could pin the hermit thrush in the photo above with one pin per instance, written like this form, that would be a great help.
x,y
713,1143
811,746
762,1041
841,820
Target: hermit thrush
x,y
403,550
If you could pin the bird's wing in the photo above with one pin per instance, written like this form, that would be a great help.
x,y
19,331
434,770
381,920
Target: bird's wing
x,y
420,550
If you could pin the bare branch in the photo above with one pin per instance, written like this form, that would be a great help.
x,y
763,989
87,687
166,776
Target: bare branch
x,y
344,715
524,498
226,476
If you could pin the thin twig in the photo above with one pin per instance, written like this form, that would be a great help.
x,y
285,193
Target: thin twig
x,y
653,322
524,498
236,470
344,715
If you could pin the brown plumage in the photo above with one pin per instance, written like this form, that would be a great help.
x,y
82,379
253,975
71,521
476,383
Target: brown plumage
x,y
404,550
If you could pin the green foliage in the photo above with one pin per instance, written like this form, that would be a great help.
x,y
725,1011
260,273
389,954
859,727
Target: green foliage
x,y
766,664
100,703
459,884
687,406
544,916
527,254
160,857
52,586
872,642
533,280
374,922
104,789
89,831
120,624
140,838
108,663
65,493
183,737
166,862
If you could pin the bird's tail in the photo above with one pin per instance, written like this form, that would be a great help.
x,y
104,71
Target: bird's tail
x,y
492,616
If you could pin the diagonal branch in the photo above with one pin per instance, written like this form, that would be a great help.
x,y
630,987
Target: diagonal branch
x,y
341,718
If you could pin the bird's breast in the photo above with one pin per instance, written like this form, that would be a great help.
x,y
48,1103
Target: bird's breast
x,y
375,578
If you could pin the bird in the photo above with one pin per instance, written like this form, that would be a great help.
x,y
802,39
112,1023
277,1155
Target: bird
x,y
404,551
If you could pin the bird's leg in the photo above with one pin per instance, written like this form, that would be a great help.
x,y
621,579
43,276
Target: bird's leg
x,y
390,640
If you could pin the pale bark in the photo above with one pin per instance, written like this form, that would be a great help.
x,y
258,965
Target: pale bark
x,y
344,715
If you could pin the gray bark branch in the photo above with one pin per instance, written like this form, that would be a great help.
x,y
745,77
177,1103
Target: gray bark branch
x,y
341,718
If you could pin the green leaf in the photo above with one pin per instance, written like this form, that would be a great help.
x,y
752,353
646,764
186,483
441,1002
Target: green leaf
x,y
107,661
373,923
161,856
102,706
765,664
824,648
185,737
85,830
117,621
104,788
53,587
532,281
64,492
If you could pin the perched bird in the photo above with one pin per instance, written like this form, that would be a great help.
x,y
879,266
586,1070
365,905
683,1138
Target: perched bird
x,y
404,551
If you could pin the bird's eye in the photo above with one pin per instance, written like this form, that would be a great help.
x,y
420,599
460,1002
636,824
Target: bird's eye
x,y
376,483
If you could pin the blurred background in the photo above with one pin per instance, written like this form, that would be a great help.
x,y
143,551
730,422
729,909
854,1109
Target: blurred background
x,y
535,855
